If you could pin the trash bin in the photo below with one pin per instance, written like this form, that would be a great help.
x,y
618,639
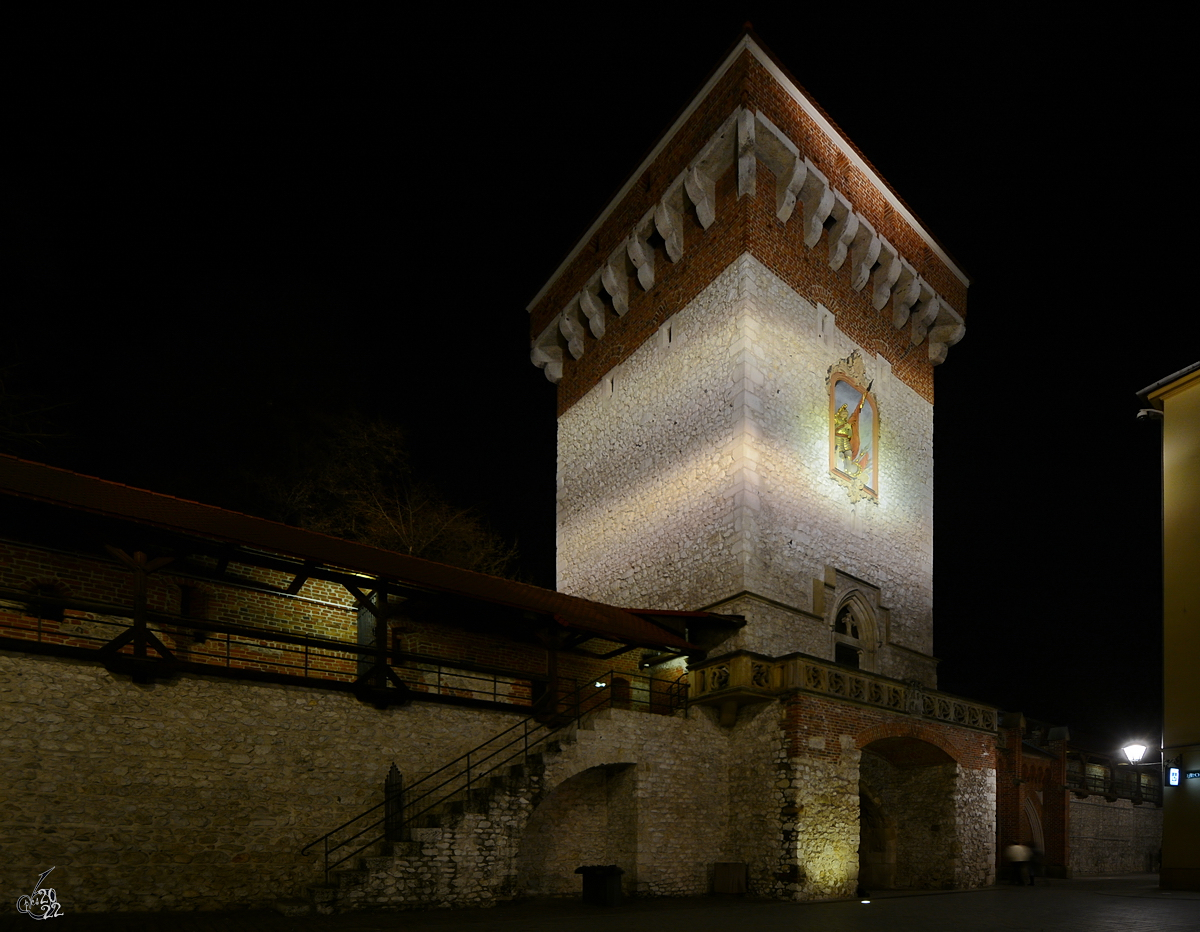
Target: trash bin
x,y
730,876
601,884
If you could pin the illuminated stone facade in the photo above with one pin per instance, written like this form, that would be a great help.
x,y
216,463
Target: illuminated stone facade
x,y
696,474
744,346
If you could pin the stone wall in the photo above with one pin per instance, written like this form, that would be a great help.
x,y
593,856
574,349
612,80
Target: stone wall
x,y
679,789
931,774
198,793
700,470
820,794
777,630
975,820
759,811
590,818
1114,837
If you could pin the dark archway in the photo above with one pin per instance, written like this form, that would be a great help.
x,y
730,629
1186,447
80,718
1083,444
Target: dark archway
x,y
876,845
589,818
907,821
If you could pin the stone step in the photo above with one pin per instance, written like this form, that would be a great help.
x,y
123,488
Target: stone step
x,y
294,906
347,877
346,883
323,897
400,849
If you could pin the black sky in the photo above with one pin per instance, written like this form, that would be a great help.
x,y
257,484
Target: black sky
x,y
223,226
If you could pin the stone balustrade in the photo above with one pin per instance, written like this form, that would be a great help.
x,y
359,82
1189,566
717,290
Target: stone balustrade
x,y
744,677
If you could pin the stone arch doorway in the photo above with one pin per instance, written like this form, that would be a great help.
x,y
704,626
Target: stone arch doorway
x,y
589,818
908,835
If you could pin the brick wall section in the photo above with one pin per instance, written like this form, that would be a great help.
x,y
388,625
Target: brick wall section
x,y
1010,791
746,225
1038,782
1056,812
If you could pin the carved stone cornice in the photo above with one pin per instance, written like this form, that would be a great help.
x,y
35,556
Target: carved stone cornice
x,y
744,139
744,677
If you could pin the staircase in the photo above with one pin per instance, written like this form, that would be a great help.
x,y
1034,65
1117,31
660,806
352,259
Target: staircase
x,y
452,838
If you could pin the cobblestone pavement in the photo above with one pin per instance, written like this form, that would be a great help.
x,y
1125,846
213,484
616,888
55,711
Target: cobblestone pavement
x,y
1130,903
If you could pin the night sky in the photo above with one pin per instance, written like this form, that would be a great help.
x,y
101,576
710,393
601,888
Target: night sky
x,y
226,229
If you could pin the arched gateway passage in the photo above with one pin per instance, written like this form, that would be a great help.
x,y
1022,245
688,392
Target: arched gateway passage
x,y
589,818
907,826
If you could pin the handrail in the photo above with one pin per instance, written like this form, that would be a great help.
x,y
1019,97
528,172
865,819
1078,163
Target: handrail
x,y
231,649
589,697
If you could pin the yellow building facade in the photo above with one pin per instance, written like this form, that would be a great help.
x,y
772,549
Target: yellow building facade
x,y
1178,398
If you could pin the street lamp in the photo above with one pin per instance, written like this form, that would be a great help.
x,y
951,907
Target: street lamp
x,y
1134,751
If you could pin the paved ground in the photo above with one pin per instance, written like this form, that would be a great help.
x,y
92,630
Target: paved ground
x,y
1130,903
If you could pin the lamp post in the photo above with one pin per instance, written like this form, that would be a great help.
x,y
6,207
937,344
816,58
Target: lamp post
x,y
1134,751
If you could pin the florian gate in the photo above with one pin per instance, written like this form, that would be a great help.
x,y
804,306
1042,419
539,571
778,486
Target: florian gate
x,y
733,686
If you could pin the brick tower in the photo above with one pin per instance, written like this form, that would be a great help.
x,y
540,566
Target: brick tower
x,y
744,346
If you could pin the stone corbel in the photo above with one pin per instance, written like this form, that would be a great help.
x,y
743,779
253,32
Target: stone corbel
x,y
924,313
946,331
779,154
668,220
904,294
885,275
700,177
546,352
817,196
592,306
845,228
863,253
570,325
616,281
747,162
640,253
787,188
702,191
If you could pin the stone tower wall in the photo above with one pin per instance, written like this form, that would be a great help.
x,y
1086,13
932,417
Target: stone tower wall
x,y
699,469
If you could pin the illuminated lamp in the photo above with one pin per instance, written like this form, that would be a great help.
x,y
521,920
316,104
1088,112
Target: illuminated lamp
x,y
1134,752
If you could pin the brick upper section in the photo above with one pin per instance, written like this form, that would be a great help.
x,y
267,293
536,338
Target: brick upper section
x,y
747,224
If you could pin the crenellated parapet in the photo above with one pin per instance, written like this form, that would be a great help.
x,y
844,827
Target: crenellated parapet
x,y
804,197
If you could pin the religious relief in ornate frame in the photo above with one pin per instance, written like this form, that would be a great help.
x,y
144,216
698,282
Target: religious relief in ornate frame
x,y
853,429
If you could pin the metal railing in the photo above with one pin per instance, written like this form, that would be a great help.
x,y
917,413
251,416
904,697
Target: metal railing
x,y
393,819
75,628
1138,787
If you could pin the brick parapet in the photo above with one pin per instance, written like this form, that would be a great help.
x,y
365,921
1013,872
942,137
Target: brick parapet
x,y
816,726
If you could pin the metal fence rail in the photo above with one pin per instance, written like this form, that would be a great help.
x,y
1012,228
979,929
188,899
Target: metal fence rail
x,y
79,629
